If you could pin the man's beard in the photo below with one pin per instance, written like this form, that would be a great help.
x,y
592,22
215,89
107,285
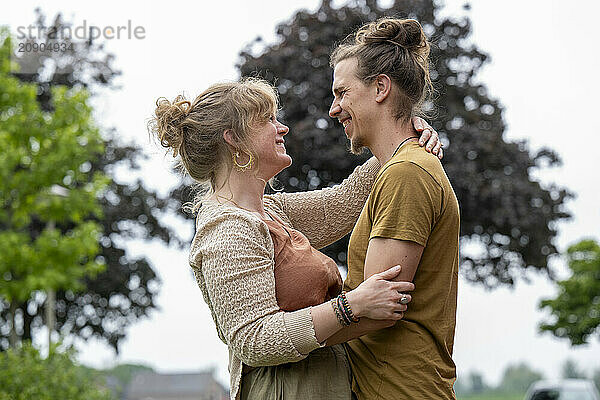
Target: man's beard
x,y
357,145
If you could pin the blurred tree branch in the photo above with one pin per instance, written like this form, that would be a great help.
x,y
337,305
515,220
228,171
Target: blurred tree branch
x,y
125,291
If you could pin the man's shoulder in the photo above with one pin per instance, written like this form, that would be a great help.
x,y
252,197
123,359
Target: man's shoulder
x,y
403,172
414,161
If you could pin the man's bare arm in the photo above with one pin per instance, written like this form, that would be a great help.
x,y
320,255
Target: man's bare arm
x,y
383,253
354,331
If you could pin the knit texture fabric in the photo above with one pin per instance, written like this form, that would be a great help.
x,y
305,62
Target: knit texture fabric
x,y
233,262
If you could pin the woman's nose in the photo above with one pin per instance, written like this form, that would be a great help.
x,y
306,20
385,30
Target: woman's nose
x,y
283,129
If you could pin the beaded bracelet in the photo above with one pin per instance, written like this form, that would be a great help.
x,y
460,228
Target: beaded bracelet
x,y
342,311
337,312
348,309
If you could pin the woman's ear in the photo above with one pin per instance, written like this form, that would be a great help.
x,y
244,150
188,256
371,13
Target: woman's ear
x,y
229,139
383,85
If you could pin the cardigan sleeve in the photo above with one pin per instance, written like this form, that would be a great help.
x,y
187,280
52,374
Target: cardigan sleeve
x,y
234,269
326,215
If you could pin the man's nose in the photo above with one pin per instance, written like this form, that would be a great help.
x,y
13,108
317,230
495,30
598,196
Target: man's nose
x,y
335,109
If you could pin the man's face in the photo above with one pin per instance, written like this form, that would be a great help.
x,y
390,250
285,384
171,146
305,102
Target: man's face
x,y
352,104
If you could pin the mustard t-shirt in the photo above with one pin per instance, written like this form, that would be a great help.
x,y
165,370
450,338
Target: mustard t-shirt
x,y
412,199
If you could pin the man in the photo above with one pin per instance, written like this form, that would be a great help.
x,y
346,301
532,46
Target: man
x,y
411,217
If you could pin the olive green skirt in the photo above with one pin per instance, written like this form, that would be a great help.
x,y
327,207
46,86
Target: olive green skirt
x,y
324,375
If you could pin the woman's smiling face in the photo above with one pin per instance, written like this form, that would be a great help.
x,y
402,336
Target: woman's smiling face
x,y
268,144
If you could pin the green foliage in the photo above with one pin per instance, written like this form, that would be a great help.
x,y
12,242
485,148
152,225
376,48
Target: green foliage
x,y
493,396
570,370
123,374
25,375
576,308
460,386
596,377
517,378
125,291
514,384
477,383
43,178
504,210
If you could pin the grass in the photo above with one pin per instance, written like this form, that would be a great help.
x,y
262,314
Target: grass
x,y
493,396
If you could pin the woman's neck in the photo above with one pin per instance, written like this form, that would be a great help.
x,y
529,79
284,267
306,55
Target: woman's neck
x,y
242,190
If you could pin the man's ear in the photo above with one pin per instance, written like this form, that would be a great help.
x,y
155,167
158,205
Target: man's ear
x,y
383,85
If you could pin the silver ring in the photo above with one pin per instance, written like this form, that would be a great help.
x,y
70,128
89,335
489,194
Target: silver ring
x,y
404,299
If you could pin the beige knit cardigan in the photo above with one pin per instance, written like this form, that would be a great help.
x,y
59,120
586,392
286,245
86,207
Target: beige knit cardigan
x,y
233,262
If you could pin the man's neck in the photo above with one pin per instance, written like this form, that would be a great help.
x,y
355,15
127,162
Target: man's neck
x,y
386,142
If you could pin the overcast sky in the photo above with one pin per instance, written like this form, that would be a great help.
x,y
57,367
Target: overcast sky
x,y
544,66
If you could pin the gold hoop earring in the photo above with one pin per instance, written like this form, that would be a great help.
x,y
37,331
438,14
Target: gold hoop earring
x,y
240,167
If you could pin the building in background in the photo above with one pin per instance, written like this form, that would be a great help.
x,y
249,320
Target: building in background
x,y
191,386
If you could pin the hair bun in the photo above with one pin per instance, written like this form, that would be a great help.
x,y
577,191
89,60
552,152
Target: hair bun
x,y
406,33
170,122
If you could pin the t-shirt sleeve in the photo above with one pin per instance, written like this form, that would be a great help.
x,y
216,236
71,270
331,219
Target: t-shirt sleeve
x,y
406,203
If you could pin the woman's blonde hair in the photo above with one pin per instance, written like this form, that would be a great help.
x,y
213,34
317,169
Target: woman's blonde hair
x,y
194,130
397,48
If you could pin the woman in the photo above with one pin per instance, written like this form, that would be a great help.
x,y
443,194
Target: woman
x,y
275,299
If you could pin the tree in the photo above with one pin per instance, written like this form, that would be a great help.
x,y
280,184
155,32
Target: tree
x,y
460,388
44,153
518,377
126,290
25,375
504,210
476,382
571,371
596,377
120,375
576,307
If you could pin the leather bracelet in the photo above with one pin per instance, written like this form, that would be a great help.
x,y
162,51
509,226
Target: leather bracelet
x,y
340,306
337,312
348,309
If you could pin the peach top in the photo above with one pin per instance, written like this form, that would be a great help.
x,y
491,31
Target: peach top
x,y
303,275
